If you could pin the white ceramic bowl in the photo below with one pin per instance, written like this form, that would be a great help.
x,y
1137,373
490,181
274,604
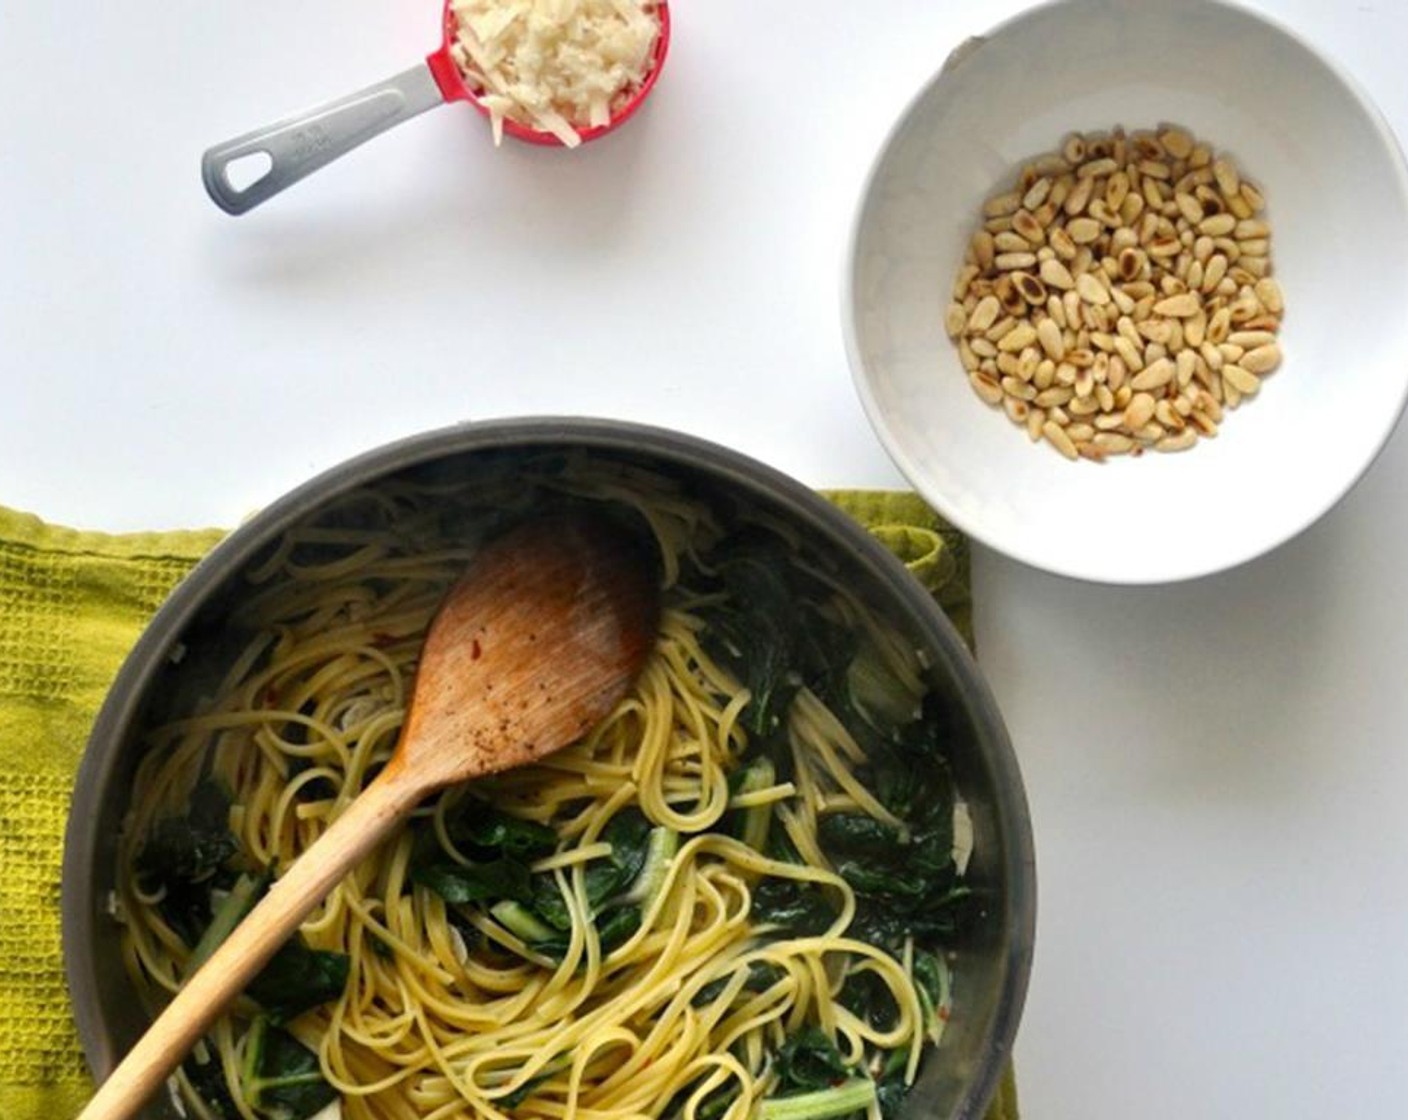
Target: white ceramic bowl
x,y
1337,192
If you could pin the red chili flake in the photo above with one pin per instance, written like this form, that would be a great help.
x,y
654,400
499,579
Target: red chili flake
x,y
474,650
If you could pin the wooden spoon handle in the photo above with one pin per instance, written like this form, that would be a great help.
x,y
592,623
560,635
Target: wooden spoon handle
x,y
230,968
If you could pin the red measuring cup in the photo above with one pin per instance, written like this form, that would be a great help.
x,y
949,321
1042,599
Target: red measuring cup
x,y
282,153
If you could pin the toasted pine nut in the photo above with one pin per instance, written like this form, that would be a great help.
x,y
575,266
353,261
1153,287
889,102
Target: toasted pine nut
x,y
984,314
1062,244
1002,205
1187,365
983,249
1028,228
1180,442
1155,375
1229,182
1129,354
1055,396
1219,326
1016,409
1037,193
1058,439
1169,417
1016,387
1083,230
1195,329
1189,206
1018,338
1241,379
1091,290
986,388
1263,359
1269,292
1217,225
1048,334
1213,274
1097,167
1139,412
1011,261
1031,289
1179,306
1056,275
1176,142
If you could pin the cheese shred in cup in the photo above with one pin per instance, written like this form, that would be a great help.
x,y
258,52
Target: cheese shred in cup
x,y
554,65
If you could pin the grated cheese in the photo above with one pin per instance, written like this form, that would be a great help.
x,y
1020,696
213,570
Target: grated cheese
x,y
555,65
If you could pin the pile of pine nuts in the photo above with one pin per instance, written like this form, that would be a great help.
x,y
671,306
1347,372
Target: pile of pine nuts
x,y
1120,296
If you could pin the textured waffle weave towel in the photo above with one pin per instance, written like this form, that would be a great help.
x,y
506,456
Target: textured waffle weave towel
x,y
71,605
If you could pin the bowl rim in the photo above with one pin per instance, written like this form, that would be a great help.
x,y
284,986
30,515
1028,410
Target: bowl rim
x,y
81,910
934,494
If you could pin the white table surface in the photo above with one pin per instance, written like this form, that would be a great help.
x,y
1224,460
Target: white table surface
x,y
1217,771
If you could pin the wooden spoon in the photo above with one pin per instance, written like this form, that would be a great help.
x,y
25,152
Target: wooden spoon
x,y
534,644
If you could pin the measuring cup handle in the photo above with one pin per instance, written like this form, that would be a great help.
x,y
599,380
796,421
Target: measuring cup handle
x,y
299,145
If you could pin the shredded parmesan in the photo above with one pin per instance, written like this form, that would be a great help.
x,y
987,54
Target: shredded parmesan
x,y
554,65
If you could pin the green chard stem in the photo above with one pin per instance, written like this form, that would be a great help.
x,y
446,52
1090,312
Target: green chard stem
x,y
248,890
850,1096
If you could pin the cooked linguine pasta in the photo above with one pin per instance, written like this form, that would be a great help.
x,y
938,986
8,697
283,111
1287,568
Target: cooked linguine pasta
x,y
731,899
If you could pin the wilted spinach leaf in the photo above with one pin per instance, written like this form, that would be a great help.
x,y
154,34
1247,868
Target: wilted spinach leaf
x,y
867,996
928,975
857,834
298,978
799,908
628,833
480,882
890,1089
809,1061
482,832
189,848
187,908
186,857
617,925
499,846
546,900
281,1078
754,634
613,928
207,1078
933,919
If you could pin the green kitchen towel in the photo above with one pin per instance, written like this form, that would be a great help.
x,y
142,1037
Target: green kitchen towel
x,y
71,605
